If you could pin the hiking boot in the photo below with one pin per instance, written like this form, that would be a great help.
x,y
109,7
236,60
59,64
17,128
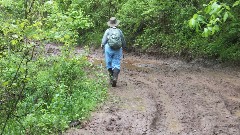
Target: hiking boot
x,y
110,71
115,77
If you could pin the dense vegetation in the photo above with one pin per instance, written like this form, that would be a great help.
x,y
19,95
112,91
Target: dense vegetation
x,y
42,94
191,29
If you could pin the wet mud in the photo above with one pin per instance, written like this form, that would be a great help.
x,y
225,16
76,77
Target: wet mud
x,y
167,97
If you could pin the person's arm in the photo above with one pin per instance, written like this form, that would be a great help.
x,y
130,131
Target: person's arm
x,y
104,39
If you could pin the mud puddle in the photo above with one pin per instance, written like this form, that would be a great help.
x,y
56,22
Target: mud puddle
x,y
128,65
167,97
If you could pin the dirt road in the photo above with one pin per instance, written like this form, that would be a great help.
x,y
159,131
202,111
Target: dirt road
x,y
168,97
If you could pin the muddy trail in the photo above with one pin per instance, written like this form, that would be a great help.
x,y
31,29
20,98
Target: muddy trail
x,y
156,96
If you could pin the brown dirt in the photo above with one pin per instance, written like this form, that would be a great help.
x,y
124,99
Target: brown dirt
x,y
167,97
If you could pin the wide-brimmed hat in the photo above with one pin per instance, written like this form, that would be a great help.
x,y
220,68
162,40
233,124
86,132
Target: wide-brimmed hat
x,y
113,22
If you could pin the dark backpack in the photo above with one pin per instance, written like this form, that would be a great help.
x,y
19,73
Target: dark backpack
x,y
114,39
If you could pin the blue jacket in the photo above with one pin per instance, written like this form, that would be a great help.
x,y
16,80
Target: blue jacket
x,y
105,37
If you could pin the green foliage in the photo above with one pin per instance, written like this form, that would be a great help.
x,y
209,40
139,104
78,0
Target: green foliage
x,y
215,13
99,11
57,90
163,27
157,26
219,23
148,25
236,3
42,94
64,26
142,19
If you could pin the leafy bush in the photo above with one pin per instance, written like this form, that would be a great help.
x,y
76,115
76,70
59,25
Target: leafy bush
x,y
57,91
42,94
219,23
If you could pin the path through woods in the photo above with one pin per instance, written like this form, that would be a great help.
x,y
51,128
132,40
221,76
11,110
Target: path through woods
x,y
168,97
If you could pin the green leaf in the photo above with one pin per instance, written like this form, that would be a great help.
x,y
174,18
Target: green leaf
x,y
69,19
210,28
227,7
216,28
15,36
5,83
14,42
192,23
201,19
6,3
66,36
205,32
225,17
207,9
236,3
195,16
215,8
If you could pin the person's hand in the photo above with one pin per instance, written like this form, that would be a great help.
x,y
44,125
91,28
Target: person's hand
x,y
102,46
125,49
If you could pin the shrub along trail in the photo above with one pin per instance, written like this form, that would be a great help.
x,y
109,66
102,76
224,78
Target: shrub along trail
x,y
168,97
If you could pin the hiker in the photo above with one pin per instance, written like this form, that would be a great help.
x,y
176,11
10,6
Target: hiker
x,y
113,43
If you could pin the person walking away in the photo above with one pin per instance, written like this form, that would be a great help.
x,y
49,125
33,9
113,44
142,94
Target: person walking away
x,y
113,43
